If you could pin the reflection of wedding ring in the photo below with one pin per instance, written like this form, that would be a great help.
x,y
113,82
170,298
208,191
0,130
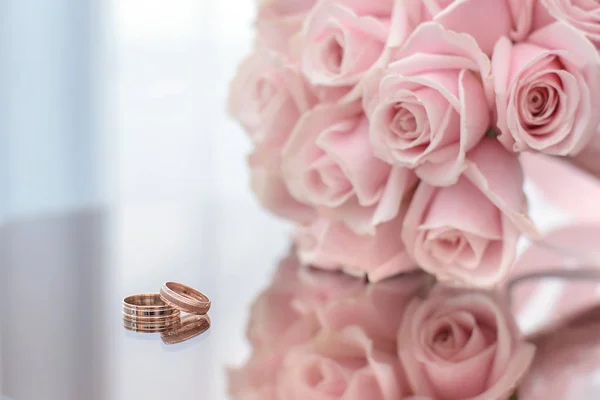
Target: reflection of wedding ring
x,y
147,305
185,298
190,327
153,326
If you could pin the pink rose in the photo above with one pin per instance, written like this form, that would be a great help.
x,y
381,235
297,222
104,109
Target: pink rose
x,y
277,324
267,184
327,163
338,316
429,107
273,312
258,376
343,39
354,355
510,17
341,365
467,233
581,14
547,91
316,289
268,96
295,292
279,21
331,245
378,308
462,346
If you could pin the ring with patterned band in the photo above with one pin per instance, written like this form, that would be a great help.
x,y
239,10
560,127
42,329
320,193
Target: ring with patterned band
x,y
184,298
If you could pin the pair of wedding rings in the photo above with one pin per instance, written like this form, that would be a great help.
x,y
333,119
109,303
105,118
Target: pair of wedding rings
x,y
161,312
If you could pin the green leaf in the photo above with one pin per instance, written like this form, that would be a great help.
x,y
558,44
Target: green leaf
x,y
514,396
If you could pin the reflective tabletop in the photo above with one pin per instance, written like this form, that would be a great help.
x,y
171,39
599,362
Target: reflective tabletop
x,y
64,276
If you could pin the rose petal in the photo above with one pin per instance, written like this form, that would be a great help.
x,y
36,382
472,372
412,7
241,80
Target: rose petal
x,y
378,256
447,376
272,193
449,209
472,17
514,374
498,175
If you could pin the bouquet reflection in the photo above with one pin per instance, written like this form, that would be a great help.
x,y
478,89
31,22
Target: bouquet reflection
x,y
324,335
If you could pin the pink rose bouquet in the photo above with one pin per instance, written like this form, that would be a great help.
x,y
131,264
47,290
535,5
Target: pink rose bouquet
x,y
392,133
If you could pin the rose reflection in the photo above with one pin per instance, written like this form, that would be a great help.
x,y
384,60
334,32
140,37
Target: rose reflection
x,y
323,335
462,345
320,335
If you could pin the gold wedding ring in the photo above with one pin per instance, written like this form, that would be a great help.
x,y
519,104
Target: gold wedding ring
x,y
161,313
147,312
147,305
185,298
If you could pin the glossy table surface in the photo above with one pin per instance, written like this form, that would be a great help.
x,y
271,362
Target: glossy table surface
x,y
63,278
